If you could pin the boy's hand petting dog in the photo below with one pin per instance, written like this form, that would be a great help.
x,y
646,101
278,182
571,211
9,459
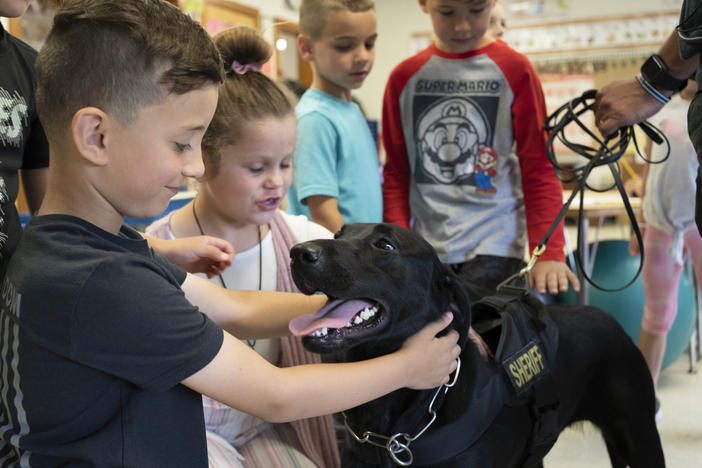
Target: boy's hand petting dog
x,y
553,275
197,254
431,359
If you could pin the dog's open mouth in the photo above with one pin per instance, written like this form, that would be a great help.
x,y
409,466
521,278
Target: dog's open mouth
x,y
340,319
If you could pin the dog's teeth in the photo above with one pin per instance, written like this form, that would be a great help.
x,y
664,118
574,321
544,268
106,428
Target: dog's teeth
x,y
358,319
367,313
320,332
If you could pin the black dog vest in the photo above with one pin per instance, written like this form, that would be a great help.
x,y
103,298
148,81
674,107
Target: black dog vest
x,y
518,375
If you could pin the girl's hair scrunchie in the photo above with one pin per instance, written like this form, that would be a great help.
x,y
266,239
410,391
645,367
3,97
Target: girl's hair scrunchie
x,y
240,69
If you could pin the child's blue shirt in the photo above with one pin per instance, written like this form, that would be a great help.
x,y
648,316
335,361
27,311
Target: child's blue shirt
x,y
335,156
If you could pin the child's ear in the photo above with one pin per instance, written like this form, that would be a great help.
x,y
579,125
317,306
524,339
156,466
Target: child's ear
x,y
305,47
88,129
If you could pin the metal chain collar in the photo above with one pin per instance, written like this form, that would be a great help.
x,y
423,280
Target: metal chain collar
x,y
392,444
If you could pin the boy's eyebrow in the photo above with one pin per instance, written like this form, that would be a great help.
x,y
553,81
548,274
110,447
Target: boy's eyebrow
x,y
470,3
194,128
374,36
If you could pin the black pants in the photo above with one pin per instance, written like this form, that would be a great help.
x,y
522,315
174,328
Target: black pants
x,y
482,274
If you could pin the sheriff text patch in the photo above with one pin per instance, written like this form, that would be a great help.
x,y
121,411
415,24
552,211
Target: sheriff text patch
x,y
525,367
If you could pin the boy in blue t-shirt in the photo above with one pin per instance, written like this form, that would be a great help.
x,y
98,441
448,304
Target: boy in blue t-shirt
x,y
336,178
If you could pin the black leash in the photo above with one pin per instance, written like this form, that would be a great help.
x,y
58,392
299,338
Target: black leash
x,y
608,153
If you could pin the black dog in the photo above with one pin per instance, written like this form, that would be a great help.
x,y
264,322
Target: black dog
x,y
591,369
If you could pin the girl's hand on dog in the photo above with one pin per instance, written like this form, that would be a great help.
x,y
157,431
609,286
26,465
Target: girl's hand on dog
x,y
430,359
197,254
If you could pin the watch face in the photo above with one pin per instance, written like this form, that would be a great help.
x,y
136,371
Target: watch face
x,y
651,69
655,72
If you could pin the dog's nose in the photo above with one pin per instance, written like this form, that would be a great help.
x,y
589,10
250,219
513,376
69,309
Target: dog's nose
x,y
307,252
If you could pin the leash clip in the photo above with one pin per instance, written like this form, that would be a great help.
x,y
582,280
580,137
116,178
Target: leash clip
x,y
507,288
538,250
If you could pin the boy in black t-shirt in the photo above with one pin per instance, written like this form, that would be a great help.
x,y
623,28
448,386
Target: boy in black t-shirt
x,y
106,346
22,141
23,146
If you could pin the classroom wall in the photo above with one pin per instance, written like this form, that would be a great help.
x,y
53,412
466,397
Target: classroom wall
x,y
398,20
269,10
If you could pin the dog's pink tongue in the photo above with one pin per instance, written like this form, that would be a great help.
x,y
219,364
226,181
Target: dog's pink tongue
x,y
335,314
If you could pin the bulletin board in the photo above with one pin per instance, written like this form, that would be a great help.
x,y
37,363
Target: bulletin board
x,y
585,35
218,15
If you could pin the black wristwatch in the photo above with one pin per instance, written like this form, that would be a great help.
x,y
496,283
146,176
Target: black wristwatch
x,y
655,72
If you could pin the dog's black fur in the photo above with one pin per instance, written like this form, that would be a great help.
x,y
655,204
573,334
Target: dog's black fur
x,y
599,373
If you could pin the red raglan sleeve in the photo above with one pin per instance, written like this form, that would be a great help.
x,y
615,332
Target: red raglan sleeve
x,y
396,172
543,192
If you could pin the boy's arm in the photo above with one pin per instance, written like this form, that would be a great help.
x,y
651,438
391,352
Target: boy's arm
x,y
543,192
249,314
314,169
325,211
35,166
242,379
396,172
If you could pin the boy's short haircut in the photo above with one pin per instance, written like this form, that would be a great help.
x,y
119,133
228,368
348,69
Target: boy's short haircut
x,y
119,56
314,13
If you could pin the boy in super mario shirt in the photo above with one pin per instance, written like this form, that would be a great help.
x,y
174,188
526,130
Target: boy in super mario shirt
x,y
466,160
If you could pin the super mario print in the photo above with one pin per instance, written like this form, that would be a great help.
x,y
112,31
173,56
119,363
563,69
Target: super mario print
x,y
454,136
485,169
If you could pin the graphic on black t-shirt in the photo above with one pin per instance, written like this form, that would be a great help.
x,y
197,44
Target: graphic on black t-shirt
x,y
13,118
451,134
4,198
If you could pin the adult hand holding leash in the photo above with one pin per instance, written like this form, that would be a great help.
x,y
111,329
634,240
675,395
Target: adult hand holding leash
x,y
431,358
627,102
621,104
607,151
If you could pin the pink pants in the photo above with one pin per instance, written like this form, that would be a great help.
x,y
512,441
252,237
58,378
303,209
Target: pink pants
x,y
661,276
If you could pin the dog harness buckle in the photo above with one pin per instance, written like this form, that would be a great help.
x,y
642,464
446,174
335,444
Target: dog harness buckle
x,y
392,444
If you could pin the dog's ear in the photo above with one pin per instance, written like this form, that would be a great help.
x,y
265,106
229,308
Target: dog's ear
x,y
458,302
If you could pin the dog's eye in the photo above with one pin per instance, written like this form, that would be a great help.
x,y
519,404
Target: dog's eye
x,y
384,244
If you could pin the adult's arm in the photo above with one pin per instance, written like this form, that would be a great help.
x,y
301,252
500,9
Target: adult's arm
x,y
625,102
